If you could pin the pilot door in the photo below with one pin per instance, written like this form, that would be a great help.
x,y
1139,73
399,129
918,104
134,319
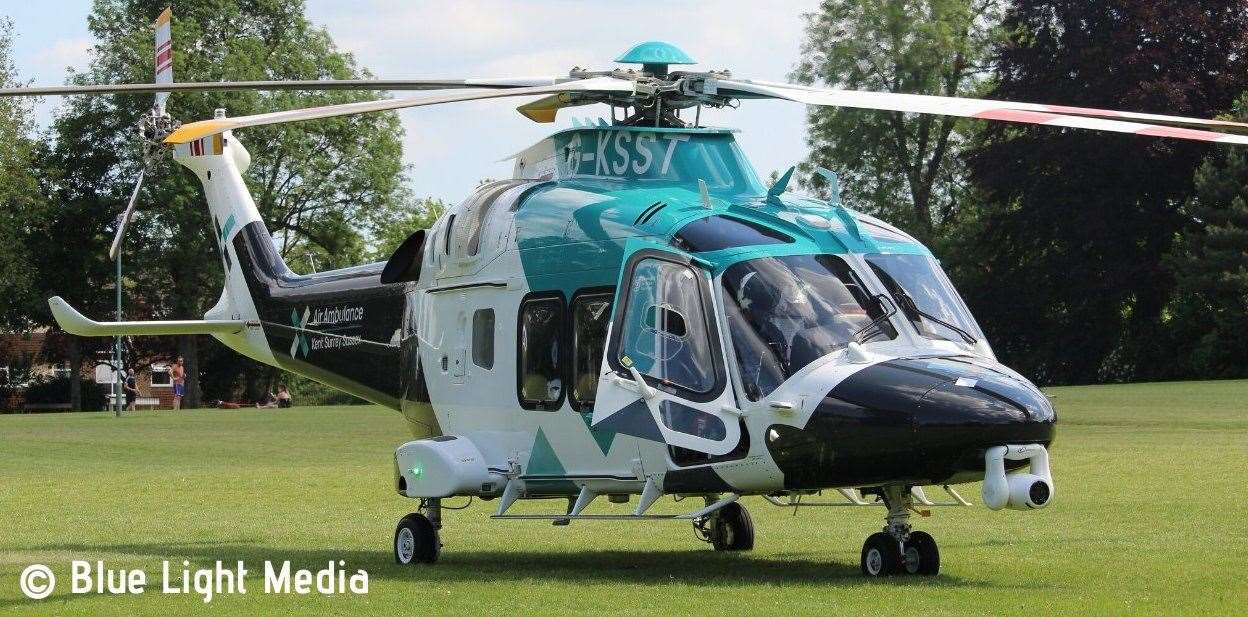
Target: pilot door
x,y
663,377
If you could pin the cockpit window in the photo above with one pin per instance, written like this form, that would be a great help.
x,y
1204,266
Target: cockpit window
x,y
880,232
720,232
926,297
786,312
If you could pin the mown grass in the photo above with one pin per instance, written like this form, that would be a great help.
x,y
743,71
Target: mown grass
x,y
1148,518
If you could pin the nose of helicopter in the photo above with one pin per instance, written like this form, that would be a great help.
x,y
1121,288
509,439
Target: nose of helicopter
x,y
918,421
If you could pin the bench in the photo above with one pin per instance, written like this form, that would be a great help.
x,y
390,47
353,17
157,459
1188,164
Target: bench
x,y
149,402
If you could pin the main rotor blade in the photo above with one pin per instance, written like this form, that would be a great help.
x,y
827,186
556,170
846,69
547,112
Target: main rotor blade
x,y
203,128
306,84
1029,113
125,216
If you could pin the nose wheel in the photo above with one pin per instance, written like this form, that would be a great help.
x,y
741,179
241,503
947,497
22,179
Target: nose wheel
x,y
883,555
898,550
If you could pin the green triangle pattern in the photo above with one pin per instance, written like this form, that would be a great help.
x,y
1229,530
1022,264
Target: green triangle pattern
x,y
542,458
602,437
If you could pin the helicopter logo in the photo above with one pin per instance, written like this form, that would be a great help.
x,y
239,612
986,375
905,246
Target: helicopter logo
x,y
300,342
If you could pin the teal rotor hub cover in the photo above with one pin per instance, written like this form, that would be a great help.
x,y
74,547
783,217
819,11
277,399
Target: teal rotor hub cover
x,y
655,56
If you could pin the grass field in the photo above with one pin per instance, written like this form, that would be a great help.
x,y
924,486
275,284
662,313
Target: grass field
x,y
1148,518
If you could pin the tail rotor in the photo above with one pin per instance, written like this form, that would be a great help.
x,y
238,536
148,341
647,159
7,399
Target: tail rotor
x,y
154,126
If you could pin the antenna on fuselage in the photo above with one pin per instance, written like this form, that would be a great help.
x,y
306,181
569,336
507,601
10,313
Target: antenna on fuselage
x,y
782,183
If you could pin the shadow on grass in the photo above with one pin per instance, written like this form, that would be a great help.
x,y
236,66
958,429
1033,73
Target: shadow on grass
x,y
690,567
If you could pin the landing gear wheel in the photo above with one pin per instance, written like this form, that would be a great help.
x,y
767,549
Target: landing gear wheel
x,y
881,556
921,555
416,541
732,529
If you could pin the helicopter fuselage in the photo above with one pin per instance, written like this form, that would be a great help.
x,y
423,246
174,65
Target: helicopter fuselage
x,y
634,305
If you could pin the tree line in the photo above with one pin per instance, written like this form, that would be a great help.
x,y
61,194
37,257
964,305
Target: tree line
x,y
333,192
1086,256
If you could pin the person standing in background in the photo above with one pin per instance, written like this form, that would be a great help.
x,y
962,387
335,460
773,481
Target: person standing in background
x,y
179,383
132,391
283,397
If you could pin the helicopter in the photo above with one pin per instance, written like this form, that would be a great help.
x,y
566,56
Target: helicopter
x,y
634,314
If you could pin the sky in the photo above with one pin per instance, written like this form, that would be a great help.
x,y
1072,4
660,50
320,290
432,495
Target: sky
x,y
452,147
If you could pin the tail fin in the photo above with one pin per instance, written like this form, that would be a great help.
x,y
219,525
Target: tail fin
x,y
219,162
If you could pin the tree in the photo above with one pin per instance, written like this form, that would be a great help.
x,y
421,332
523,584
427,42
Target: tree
x,y
312,181
403,223
900,167
1210,265
1063,259
19,194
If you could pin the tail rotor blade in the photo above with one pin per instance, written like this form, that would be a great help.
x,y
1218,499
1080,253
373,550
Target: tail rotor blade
x,y
125,217
164,55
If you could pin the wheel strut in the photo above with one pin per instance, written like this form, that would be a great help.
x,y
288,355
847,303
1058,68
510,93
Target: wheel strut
x,y
898,549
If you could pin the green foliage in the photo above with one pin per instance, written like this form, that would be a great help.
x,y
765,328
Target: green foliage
x,y
313,182
56,390
19,195
904,169
1210,265
324,187
304,391
1062,256
402,223
314,485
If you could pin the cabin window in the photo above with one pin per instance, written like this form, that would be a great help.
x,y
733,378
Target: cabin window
x,y
713,233
483,338
591,313
540,365
665,332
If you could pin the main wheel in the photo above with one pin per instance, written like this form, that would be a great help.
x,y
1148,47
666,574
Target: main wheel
x,y
416,540
921,555
880,555
732,529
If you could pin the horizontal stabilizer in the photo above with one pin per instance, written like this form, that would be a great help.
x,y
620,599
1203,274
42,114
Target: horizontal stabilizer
x,y
73,322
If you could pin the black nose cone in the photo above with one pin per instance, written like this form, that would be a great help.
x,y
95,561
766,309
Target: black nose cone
x,y
917,421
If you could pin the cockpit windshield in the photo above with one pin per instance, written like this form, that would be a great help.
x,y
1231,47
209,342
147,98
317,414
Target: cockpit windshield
x,y
786,312
926,297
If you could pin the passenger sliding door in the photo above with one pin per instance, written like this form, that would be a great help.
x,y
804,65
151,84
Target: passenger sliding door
x,y
664,375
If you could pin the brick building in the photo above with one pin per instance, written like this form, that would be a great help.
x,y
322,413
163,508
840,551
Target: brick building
x,y
40,355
